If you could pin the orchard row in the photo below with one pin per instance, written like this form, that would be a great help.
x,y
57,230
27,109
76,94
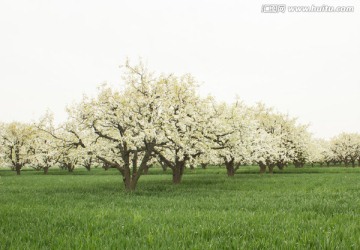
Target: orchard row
x,y
161,119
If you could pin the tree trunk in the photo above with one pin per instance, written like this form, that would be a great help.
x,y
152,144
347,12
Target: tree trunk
x,y
129,186
132,176
177,166
46,170
146,169
230,168
192,167
177,175
204,165
280,165
353,164
271,168
178,171
88,168
298,164
262,168
163,165
106,166
18,169
133,184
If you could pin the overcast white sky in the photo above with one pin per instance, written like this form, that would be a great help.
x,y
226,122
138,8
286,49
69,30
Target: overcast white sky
x,y
304,64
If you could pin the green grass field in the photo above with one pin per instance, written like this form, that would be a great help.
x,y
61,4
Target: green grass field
x,y
317,208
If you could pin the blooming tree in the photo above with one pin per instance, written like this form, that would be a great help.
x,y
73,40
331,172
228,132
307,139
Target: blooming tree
x,y
320,152
15,141
183,125
232,135
44,152
281,140
66,140
346,148
124,124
